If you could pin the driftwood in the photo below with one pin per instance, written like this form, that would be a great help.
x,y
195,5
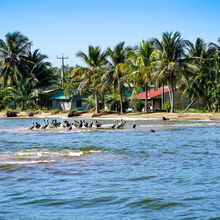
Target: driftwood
x,y
11,114
31,114
96,115
73,113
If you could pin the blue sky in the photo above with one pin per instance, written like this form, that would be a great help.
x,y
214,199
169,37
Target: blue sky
x,y
67,26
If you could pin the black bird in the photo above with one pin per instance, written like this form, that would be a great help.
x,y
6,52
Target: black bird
x,y
80,124
44,126
165,119
98,124
86,124
32,127
152,130
90,125
37,125
134,125
113,126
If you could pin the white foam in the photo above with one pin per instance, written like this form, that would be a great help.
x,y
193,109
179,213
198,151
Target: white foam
x,y
75,154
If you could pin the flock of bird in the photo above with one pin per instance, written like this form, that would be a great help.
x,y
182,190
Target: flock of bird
x,y
118,124
76,124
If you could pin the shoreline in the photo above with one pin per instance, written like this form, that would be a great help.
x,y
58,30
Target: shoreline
x,y
131,116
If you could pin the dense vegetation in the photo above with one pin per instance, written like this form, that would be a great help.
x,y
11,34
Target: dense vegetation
x,y
27,77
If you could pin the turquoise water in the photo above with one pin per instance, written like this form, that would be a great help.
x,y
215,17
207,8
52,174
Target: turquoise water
x,y
173,173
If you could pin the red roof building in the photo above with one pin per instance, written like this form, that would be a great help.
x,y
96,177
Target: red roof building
x,y
150,94
154,97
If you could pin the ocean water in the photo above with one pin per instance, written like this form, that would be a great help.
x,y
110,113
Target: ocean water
x,y
172,173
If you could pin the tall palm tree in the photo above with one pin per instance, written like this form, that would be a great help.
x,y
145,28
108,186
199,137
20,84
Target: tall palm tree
x,y
95,61
172,61
204,77
117,68
36,66
12,50
142,68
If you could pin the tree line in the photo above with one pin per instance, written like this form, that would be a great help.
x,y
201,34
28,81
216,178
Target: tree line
x,y
173,62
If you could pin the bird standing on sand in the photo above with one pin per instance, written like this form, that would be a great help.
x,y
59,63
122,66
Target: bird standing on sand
x,y
32,127
90,125
37,125
114,124
44,126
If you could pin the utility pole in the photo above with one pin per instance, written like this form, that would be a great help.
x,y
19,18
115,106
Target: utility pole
x,y
62,68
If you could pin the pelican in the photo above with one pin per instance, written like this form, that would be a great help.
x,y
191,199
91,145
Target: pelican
x,y
32,127
114,124
37,125
90,125
44,126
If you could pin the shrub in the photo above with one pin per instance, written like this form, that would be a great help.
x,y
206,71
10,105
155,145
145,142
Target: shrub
x,y
167,106
55,111
138,105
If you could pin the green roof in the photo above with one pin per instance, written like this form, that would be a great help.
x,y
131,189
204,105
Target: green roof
x,y
59,95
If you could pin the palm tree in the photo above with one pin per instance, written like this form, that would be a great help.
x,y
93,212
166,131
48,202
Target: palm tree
x,y
23,93
12,50
36,67
118,68
142,68
204,76
95,61
172,62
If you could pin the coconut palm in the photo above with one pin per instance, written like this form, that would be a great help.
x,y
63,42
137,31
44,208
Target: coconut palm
x,y
95,61
40,70
142,68
199,83
172,62
23,93
118,68
12,50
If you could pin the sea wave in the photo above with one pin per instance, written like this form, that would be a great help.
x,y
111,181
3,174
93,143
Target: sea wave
x,y
33,157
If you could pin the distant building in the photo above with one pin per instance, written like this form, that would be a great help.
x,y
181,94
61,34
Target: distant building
x,y
154,97
62,102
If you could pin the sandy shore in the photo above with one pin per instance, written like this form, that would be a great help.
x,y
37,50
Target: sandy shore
x,y
192,116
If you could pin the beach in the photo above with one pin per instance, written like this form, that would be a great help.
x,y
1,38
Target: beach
x,y
133,116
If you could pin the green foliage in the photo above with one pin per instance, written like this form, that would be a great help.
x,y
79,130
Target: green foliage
x,y
214,95
54,111
90,101
112,100
138,105
167,106
193,68
5,98
70,89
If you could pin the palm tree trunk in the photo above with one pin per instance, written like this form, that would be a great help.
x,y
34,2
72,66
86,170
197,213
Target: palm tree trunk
x,y
96,102
146,102
172,93
162,99
121,102
22,106
71,106
189,105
